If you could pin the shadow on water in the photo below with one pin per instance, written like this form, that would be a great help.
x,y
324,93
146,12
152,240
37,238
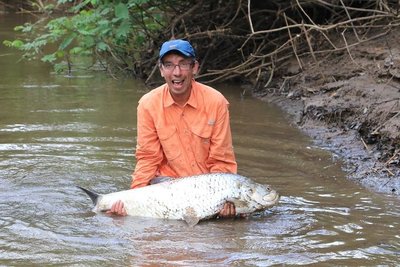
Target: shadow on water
x,y
57,132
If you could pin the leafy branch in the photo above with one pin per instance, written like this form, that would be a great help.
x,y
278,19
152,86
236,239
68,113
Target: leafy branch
x,y
109,31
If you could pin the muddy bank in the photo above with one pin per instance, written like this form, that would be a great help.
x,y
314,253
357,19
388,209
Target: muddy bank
x,y
349,103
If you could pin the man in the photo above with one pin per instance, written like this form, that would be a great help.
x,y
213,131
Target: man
x,y
182,126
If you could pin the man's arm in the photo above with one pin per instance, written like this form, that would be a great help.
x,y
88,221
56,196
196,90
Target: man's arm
x,y
148,149
148,156
222,157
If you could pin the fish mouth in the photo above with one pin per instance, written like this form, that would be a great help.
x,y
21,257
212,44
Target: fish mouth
x,y
272,198
267,201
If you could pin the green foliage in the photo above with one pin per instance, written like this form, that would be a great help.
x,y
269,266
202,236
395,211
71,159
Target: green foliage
x,y
104,29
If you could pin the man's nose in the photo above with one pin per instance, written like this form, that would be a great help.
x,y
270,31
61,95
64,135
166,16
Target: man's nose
x,y
176,70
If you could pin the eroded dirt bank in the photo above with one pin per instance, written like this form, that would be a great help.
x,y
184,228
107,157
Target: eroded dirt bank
x,y
349,103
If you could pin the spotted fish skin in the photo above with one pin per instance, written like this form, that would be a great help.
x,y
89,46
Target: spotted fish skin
x,y
191,198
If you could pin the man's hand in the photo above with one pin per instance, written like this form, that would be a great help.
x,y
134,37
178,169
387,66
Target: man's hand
x,y
228,211
117,209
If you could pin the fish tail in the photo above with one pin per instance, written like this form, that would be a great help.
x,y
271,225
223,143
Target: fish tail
x,y
93,195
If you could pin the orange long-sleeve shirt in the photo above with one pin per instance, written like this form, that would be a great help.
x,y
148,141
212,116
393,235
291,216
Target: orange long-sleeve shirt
x,y
180,141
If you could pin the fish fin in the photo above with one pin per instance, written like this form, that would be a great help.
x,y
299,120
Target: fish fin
x,y
93,195
190,217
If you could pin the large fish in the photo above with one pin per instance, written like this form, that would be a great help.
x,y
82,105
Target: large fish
x,y
191,198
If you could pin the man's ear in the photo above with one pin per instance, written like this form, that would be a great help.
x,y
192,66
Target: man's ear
x,y
161,71
196,67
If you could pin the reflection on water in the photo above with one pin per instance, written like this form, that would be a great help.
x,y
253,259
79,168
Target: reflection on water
x,y
57,132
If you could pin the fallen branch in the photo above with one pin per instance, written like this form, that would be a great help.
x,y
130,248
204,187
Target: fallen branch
x,y
379,127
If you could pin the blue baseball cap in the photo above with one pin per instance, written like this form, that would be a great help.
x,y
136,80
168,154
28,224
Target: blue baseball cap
x,y
181,46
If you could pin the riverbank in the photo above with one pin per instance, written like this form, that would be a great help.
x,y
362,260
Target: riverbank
x,y
349,103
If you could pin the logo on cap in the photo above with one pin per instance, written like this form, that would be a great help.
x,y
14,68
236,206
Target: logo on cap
x,y
179,45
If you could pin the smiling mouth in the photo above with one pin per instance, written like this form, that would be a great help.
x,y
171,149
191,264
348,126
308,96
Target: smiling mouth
x,y
180,82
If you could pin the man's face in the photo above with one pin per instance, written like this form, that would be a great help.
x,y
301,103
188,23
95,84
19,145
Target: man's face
x,y
178,73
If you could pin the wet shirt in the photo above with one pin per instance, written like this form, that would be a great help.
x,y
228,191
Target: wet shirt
x,y
178,141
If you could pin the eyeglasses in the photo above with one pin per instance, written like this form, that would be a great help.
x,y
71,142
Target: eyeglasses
x,y
182,66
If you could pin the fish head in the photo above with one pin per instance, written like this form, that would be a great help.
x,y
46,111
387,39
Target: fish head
x,y
256,197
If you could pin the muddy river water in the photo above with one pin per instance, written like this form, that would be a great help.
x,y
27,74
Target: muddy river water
x,y
57,132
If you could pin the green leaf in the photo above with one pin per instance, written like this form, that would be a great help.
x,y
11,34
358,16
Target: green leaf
x,y
121,11
67,41
18,28
27,27
7,43
49,58
87,42
85,32
17,43
60,54
102,46
59,67
123,29
76,50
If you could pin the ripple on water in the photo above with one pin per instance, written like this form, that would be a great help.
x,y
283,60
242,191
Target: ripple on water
x,y
47,86
69,127
72,110
348,228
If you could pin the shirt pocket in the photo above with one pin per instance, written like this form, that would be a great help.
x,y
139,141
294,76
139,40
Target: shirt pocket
x,y
201,133
170,143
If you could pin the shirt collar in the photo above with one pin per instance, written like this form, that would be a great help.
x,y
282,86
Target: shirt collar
x,y
169,101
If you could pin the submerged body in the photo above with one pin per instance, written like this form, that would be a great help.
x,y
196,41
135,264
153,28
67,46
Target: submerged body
x,y
192,198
